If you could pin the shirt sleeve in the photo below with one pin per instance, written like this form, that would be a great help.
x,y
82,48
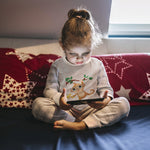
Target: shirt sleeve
x,y
52,86
103,82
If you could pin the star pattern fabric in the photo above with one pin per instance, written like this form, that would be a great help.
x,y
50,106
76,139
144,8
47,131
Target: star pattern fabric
x,y
50,60
146,95
23,76
21,56
127,76
13,90
16,103
123,92
116,65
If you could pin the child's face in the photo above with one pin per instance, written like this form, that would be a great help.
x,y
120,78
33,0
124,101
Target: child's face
x,y
78,55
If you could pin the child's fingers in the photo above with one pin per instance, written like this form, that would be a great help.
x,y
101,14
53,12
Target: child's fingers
x,y
58,124
105,94
64,92
63,103
58,127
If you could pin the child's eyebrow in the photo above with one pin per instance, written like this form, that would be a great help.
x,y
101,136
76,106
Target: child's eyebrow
x,y
87,52
72,53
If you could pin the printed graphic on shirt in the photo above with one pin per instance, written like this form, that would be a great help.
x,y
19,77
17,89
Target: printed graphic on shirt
x,y
78,88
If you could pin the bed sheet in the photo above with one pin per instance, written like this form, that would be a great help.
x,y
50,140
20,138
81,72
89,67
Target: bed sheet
x,y
20,131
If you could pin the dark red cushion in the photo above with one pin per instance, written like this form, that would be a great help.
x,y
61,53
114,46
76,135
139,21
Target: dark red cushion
x,y
129,75
22,77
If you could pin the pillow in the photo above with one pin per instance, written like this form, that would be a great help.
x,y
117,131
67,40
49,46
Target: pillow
x,y
37,70
22,77
129,76
125,72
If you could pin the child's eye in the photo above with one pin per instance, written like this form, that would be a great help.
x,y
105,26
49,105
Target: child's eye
x,y
87,53
73,54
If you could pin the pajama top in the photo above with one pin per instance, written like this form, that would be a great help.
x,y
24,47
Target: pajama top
x,y
83,81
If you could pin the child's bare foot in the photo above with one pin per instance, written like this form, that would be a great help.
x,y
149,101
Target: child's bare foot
x,y
66,125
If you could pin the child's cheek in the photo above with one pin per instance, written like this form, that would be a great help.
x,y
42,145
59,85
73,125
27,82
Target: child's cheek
x,y
72,60
86,58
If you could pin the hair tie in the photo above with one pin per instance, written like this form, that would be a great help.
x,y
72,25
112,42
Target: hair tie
x,y
73,13
79,17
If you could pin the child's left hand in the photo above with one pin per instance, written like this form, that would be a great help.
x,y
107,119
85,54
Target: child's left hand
x,y
100,104
62,101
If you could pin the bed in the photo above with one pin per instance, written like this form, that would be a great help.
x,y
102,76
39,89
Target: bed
x,y
19,130
26,53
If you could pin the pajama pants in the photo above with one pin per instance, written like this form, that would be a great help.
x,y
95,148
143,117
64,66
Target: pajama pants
x,y
46,110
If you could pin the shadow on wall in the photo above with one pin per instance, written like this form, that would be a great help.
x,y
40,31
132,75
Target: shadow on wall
x,y
45,46
33,46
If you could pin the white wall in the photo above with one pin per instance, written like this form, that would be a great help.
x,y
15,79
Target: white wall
x,y
109,46
122,45
45,18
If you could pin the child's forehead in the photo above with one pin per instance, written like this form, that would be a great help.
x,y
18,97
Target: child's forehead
x,y
79,49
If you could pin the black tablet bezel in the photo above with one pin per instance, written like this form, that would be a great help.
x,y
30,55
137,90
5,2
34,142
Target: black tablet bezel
x,y
84,101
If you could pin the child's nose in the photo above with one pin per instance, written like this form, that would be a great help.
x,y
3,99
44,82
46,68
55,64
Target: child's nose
x,y
79,57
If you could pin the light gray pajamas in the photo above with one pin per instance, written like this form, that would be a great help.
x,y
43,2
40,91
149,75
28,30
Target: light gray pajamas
x,y
46,110
81,82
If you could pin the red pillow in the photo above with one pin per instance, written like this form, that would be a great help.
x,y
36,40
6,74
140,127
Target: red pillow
x,y
129,76
37,70
22,77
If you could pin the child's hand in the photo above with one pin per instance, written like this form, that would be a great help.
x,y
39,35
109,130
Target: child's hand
x,y
62,101
100,104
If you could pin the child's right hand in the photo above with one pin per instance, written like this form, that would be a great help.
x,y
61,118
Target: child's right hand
x,y
62,101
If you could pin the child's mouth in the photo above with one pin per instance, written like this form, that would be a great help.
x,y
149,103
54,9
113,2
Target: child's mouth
x,y
79,63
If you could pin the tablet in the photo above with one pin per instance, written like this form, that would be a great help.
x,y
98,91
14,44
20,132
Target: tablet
x,y
84,101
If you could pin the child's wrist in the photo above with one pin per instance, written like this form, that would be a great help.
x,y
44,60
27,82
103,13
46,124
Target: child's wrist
x,y
108,99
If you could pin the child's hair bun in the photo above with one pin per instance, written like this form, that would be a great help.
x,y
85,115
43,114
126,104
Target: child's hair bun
x,y
73,13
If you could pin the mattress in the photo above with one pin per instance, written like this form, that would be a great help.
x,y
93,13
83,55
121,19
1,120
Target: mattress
x,y
20,131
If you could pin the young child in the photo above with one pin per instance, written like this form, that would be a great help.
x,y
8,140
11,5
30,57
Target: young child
x,y
79,76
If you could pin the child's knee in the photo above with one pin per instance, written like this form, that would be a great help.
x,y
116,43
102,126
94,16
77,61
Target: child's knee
x,y
36,104
124,106
41,108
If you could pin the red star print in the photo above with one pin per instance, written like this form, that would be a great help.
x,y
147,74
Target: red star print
x,y
116,65
13,97
22,85
6,90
